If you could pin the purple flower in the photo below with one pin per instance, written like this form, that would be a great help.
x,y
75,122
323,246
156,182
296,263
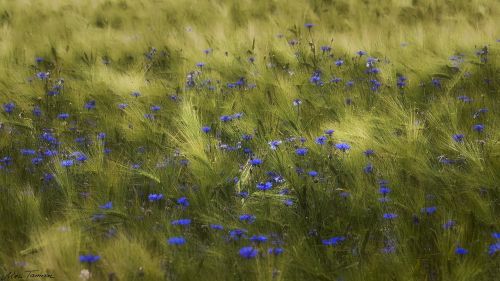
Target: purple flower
x,y
301,151
177,241
390,216
333,241
461,251
458,137
342,146
248,252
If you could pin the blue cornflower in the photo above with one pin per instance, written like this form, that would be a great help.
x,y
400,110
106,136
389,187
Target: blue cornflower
x,y
216,227
28,152
63,116
258,238
496,235
176,241
243,194
436,82
67,163
155,108
200,64
256,162
265,186
301,151
297,102
37,112
247,218
236,234
342,146
384,190
37,160
329,132
458,137
101,136
288,202
478,128
206,129
90,105
493,248
313,174
339,62
333,241
361,53
461,251
135,94
321,140
275,251
368,169
226,118
309,25
183,201
107,206
122,105
248,252
316,78
274,144
9,107
155,197
449,224
89,258
42,75
326,49
390,216
181,222
401,83
429,210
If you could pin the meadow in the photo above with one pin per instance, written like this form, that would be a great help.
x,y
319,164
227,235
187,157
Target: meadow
x,y
250,140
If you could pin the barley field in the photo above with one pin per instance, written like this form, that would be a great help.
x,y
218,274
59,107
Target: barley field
x,y
343,140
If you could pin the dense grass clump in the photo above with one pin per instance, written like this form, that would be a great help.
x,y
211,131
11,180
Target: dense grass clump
x,y
250,140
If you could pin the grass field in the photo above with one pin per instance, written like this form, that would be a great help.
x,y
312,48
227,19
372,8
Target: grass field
x,y
250,140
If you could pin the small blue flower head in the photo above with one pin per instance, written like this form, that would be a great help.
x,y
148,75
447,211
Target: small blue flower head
x,y
176,241
63,116
339,62
216,227
368,169
361,53
248,252
101,136
67,163
42,75
288,202
390,216
458,137
206,129
334,241
493,248
326,49
342,146
321,140
9,107
274,144
258,239
496,235
329,132
107,206
226,118
181,222
135,94
200,64
301,151
183,201
313,174
89,258
28,152
255,162
37,112
90,105
449,224
297,102
243,194
155,108
384,190
275,251
236,234
429,210
247,218
155,197
309,25
122,106
461,251
265,186
38,59
478,128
